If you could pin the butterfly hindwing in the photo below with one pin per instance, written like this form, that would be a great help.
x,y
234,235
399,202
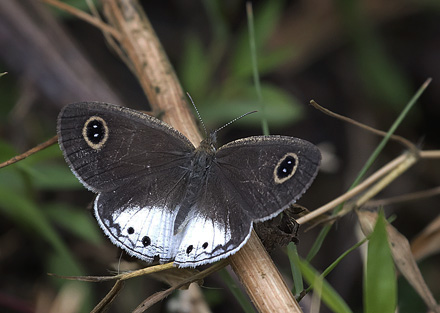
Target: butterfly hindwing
x,y
216,226
140,219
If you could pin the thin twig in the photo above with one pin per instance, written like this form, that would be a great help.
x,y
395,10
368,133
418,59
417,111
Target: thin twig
x,y
400,139
405,198
163,294
109,297
35,149
430,154
123,276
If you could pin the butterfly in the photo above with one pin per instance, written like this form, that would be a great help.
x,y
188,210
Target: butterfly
x,y
161,198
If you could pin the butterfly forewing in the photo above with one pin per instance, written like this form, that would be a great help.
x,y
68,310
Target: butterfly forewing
x,y
129,145
268,172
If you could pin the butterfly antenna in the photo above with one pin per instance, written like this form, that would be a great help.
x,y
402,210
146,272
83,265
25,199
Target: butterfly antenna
x,y
198,114
234,120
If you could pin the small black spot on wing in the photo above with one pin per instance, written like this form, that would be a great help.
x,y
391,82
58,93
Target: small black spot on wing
x,y
146,241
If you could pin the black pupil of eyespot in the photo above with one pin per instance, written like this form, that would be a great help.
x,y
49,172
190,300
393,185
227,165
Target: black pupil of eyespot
x,y
205,245
130,230
146,241
286,167
95,131
189,249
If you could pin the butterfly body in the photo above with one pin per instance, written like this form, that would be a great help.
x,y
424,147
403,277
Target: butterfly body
x,y
160,197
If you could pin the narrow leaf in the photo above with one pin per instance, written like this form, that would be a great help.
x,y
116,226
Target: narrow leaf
x,y
329,296
380,284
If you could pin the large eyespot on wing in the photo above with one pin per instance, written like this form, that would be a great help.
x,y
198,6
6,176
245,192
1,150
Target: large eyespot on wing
x,y
107,146
285,168
270,172
95,132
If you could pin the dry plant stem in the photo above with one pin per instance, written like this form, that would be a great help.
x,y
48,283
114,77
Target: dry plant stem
x,y
151,65
430,154
146,271
410,159
405,198
260,277
109,297
158,296
356,190
256,273
35,149
123,276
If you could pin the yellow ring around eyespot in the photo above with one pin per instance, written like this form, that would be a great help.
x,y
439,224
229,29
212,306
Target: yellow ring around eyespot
x,y
282,180
95,146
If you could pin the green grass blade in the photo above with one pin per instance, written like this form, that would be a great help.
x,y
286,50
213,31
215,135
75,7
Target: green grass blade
x,y
380,282
292,253
318,242
391,131
339,259
236,291
250,16
329,296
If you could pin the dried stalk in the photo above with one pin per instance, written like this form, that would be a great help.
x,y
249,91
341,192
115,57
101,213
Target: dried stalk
x,y
35,149
252,264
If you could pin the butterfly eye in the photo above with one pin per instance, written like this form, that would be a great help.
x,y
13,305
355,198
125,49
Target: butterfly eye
x,y
95,132
285,168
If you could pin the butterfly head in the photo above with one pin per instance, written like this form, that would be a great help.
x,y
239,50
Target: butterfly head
x,y
209,143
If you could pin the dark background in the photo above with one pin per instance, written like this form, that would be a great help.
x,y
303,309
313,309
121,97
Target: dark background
x,y
363,59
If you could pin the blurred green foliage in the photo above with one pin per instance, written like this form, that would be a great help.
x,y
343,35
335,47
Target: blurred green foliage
x,y
220,101
382,79
41,221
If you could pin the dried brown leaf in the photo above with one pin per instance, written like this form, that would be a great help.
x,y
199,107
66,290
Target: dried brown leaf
x,y
402,256
428,241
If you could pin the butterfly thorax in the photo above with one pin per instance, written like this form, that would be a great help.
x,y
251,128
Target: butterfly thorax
x,y
202,159
197,179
